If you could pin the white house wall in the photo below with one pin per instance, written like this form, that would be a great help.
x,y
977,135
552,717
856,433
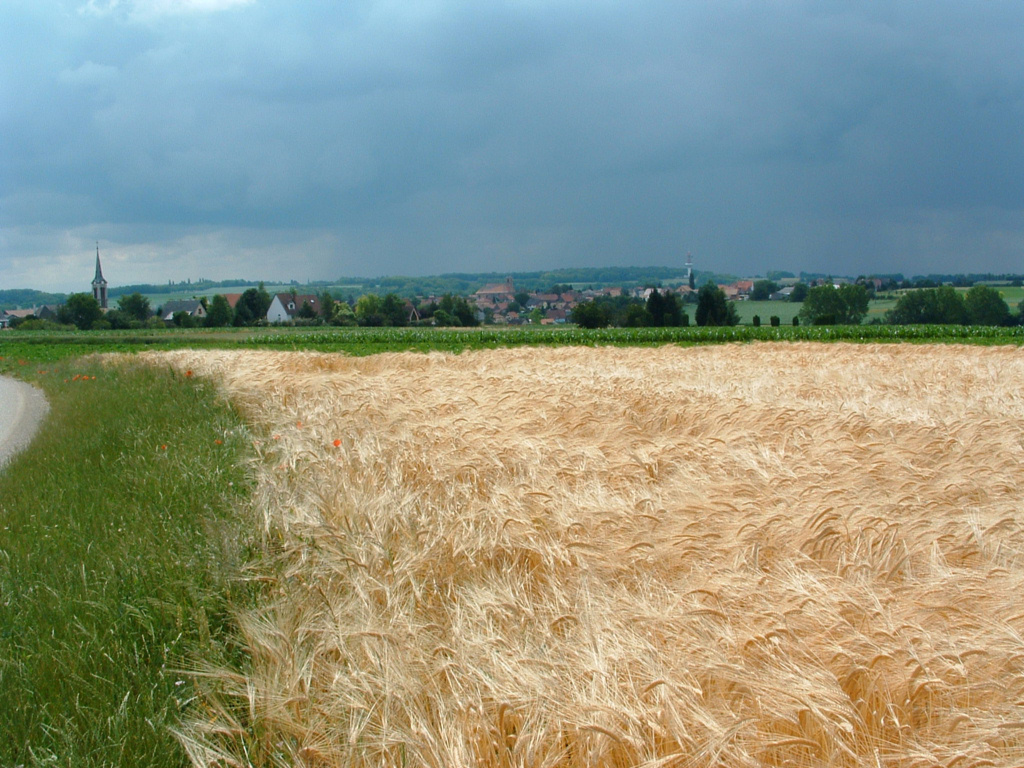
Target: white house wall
x,y
277,313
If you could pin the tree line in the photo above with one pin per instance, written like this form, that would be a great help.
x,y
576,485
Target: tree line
x,y
135,311
661,309
941,305
820,305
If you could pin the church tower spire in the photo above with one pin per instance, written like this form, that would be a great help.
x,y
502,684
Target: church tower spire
x,y
99,285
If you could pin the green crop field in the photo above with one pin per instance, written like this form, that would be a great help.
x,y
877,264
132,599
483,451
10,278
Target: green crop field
x,y
1012,295
23,352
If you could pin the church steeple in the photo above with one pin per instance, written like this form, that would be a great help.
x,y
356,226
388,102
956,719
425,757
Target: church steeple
x,y
99,285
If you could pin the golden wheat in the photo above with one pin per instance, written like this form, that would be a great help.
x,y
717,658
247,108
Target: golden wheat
x,y
805,555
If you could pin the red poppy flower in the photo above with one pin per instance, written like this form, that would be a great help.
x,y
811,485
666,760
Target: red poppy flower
x,y
337,443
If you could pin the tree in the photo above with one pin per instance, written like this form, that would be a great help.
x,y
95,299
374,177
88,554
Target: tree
x,y
459,308
636,316
855,300
326,306
763,289
590,314
828,305
985,306
929,306
656,308
342,314
444,319
306,311
219,314
673,314
136,306
712,307
393,309
664,308
80,310
118,320
252,306
799,292
183,319
823,306
369,310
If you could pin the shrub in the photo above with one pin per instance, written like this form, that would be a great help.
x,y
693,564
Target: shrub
x,y
35,324
774,320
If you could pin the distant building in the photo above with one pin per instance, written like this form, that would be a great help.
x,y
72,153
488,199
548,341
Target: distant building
x,y
743,287
285,307
99,285
192,307
495,293
42,312
19,314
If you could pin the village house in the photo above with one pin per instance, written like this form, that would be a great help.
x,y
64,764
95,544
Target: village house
x,y
413,313
743,288
232,299
495,293
543,300
191,307
42,312
555,317
285,307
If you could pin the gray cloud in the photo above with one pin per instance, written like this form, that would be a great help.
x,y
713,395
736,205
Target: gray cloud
x,y
393,137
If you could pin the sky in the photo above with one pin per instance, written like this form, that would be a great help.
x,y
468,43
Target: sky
x,y
309,140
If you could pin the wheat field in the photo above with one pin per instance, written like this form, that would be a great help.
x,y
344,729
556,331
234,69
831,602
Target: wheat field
x,y
756,555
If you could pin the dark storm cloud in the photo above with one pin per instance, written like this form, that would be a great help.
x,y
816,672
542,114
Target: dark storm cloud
x,y
401,137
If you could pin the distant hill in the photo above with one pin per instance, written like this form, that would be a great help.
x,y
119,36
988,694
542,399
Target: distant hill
x,y
465,283
198,287
459,283
25,298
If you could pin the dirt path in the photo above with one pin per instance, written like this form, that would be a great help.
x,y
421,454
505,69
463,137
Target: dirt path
x,y
22,407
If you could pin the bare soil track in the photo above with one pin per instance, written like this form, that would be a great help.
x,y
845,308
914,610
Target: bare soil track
x,y
767,554
22,407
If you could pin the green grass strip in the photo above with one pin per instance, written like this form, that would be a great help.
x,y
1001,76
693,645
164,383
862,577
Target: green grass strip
x,y
120,541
